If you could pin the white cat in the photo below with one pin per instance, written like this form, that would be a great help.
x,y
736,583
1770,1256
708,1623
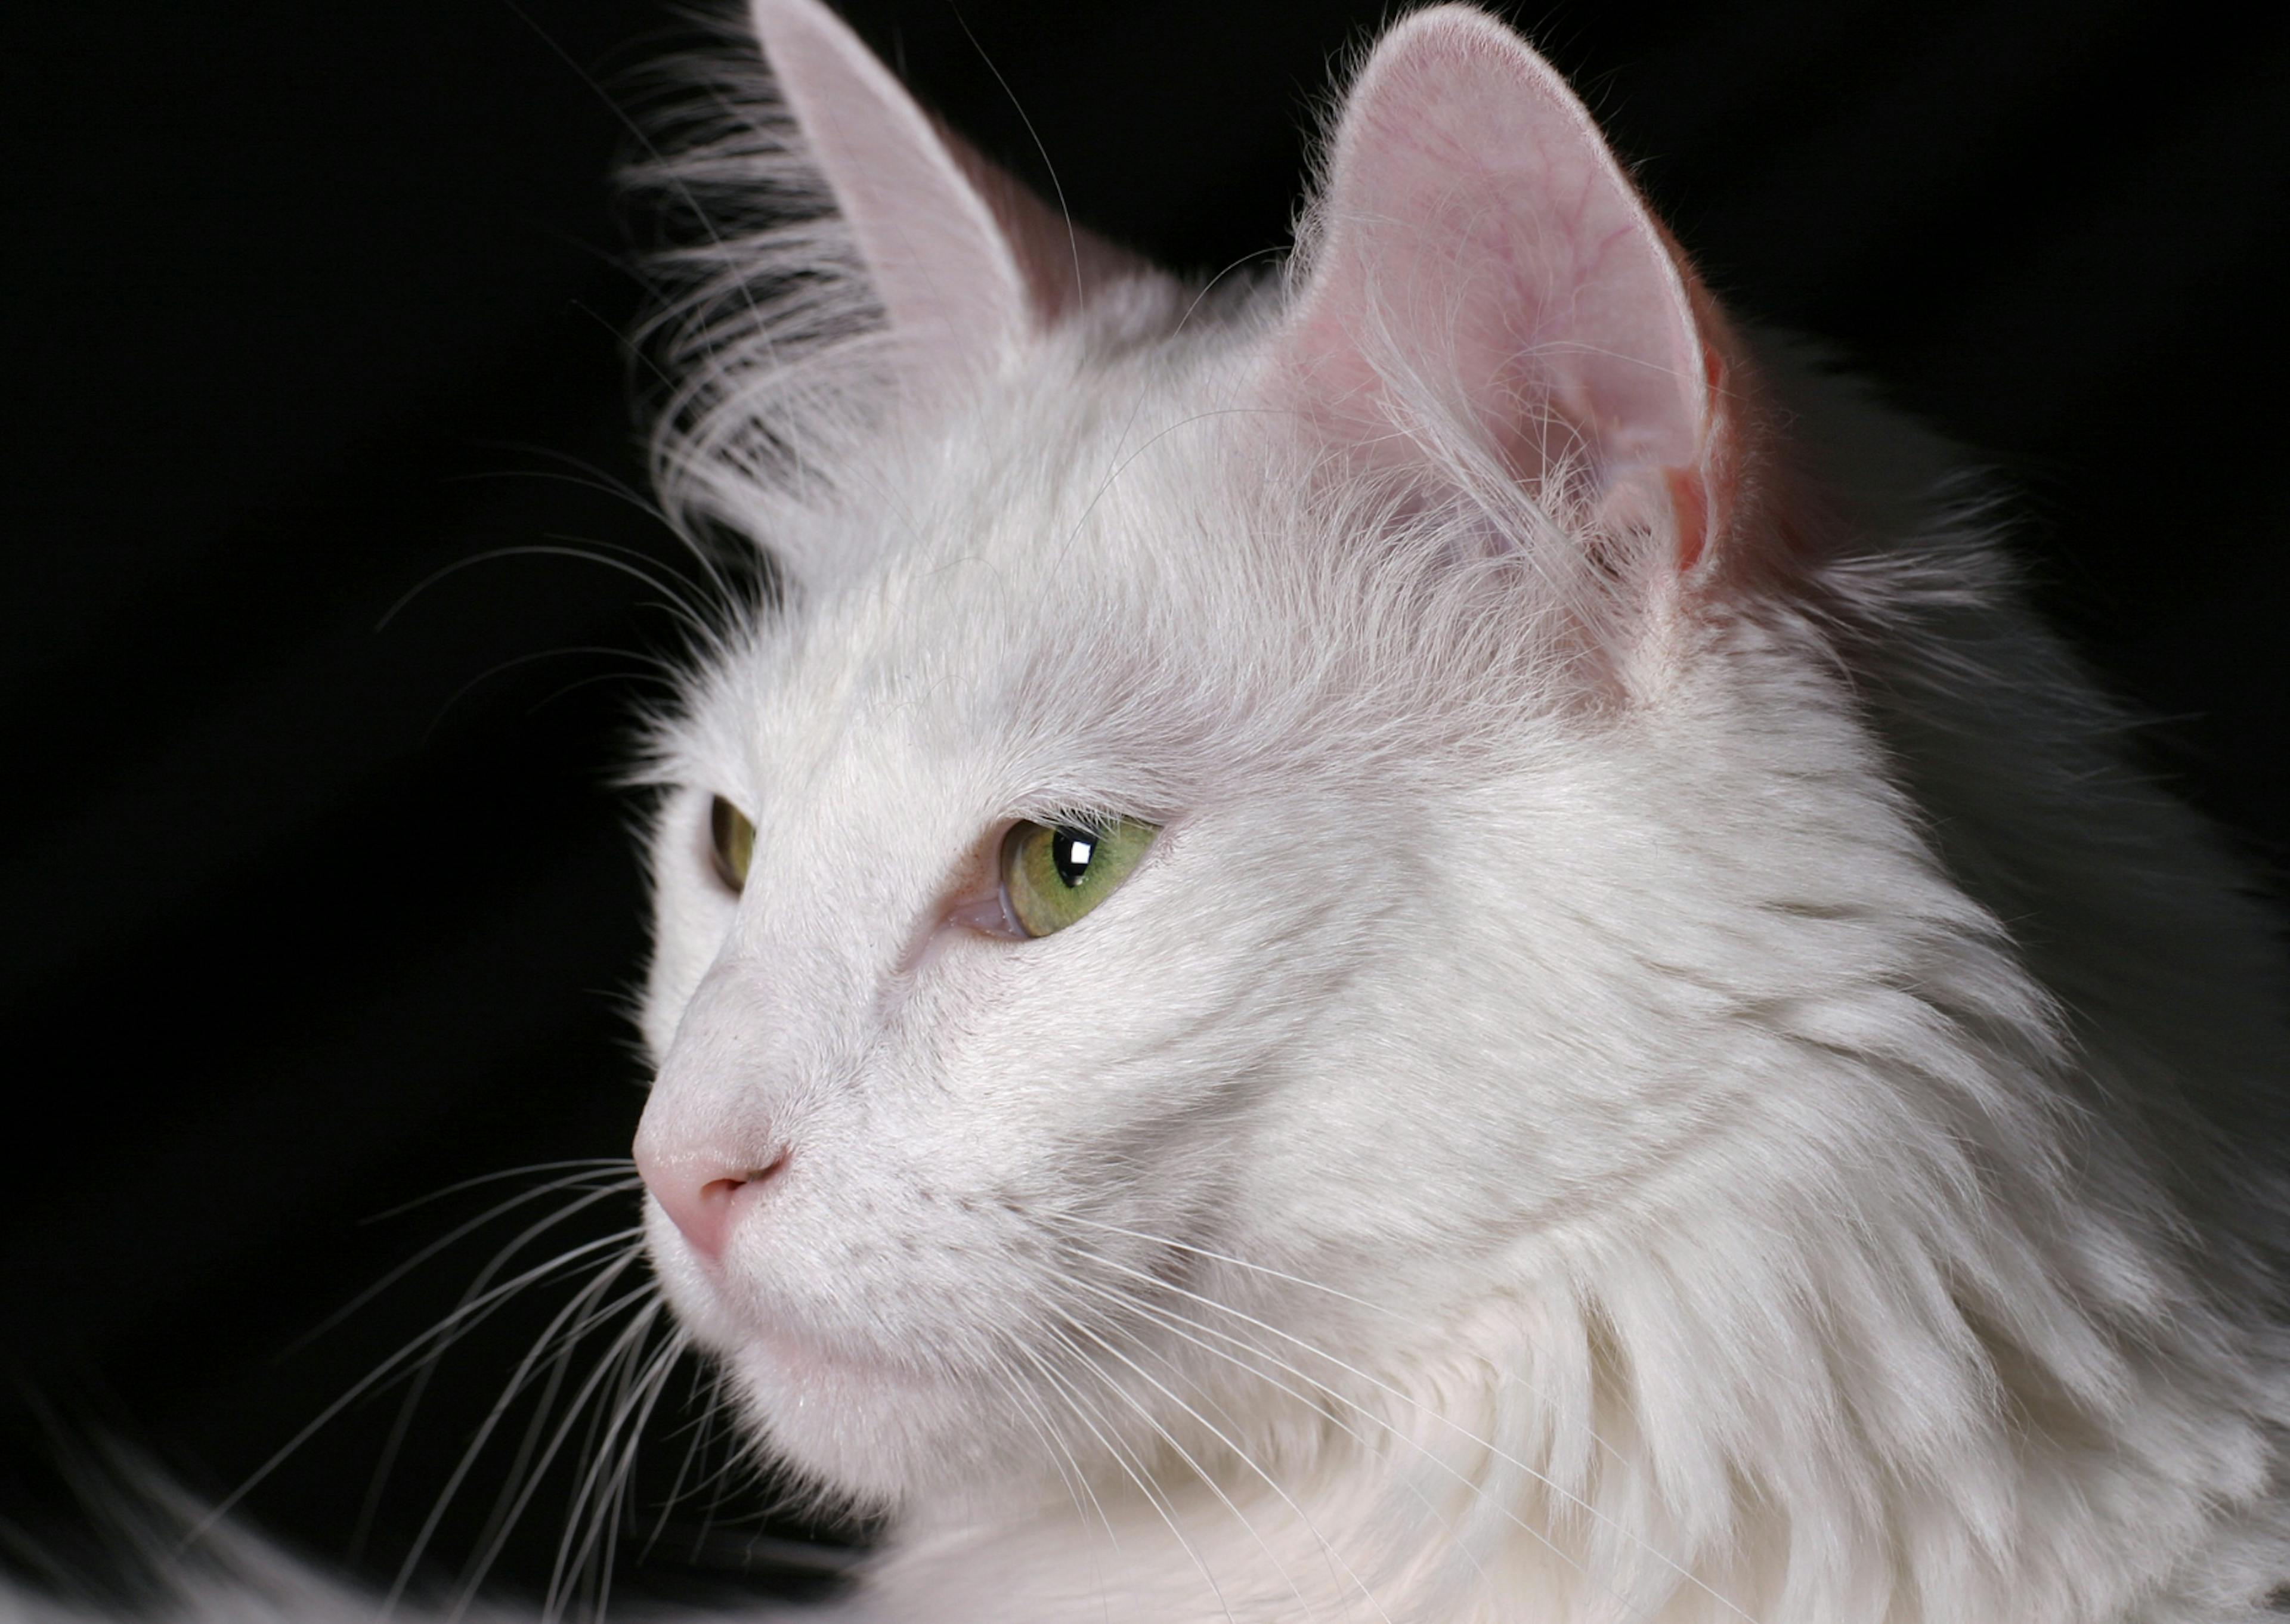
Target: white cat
x,y
1429,943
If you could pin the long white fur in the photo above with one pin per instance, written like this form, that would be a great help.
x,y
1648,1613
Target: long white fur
x,y
1597,1107
1709,1208
1765,1149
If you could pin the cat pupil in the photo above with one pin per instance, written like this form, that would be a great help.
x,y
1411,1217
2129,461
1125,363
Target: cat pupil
x,y
1069,850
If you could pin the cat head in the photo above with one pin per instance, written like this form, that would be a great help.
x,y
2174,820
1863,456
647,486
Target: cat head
x,y
1267,825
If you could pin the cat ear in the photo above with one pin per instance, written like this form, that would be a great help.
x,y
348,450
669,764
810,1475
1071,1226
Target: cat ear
x,y
1478,245
965,260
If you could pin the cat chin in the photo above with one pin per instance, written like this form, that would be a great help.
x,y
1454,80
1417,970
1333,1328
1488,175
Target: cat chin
x,y
858,1424
867,1431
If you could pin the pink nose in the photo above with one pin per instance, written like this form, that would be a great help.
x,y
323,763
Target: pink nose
x,y
702,1194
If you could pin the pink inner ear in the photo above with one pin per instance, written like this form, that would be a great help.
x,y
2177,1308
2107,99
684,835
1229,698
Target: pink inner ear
x,y
965,260
1477,233
1062,264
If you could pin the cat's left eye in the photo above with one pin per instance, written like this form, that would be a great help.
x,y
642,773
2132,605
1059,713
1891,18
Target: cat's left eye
x,y
1054,873
731,844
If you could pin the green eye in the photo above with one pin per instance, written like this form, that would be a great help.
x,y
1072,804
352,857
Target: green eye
x,y
731,844
1053,874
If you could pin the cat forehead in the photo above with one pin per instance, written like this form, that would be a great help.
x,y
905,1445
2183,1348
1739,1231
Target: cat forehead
x,y
1124,585
1067,572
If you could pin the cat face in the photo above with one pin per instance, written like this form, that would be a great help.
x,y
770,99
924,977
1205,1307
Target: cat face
x,y
1483,820
1285,1038
992,1152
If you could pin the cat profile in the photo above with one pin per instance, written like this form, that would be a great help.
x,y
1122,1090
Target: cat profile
x,y
1424,940
1657,1066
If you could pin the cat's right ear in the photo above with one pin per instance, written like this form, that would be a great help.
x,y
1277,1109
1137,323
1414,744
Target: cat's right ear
x,y
967,262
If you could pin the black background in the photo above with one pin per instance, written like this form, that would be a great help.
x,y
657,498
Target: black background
x,y
307,302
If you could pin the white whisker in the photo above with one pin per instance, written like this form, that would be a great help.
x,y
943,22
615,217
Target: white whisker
x,y
631,1335
613,1461
426,1345
418,1383
1134,1470
1676,1569
1241,1454
546,1346
1207,1478
1061,1454
1318,1399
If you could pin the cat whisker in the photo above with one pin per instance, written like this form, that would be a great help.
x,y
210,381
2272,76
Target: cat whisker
x,y
1240,1453
612,1464
1117,460
694,1432
691,614
663,673
1057,187
644,1404
587,552
1132,1470
661,678
658,163
1060,1455
558,1344
1318,1399
1676,1569
575,1167
1073,533
1058,1452
709,1428
485,1299
728,603
520,1463
1179,1325
516,1497
1170,1440
1292,1279
610,1270
738,1452
1321,1397
547,1348
584,475
426,1345
627,1180
401,1424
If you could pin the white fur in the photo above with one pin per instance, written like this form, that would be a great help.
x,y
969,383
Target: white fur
x,y
1763,1144
1607,1101
1652,1170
